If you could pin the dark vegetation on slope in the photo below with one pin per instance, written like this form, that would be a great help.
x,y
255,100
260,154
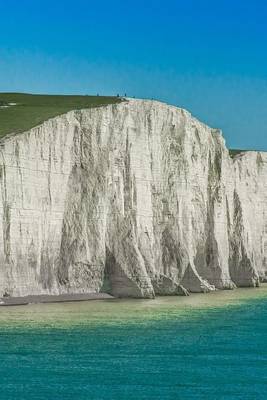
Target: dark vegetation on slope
x,y
235,152
31,109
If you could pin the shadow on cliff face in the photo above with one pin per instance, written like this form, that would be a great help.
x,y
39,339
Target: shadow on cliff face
x,y
174,258
116,281
241,265
207,258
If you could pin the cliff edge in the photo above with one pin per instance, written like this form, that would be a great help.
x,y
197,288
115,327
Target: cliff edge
x,y
136,199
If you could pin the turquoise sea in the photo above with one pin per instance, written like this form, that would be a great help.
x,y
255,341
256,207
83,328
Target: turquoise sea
x,y
211,346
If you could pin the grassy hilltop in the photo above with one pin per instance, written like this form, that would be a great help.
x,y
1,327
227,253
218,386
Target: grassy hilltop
x,y
32,109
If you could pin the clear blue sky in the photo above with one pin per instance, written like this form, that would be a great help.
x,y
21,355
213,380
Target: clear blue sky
x,y
207,56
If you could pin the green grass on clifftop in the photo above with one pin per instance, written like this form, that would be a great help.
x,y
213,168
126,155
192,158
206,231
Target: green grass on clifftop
x,y
31,109
235,152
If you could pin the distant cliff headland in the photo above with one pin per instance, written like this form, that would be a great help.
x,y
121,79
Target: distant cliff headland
x,y
135,198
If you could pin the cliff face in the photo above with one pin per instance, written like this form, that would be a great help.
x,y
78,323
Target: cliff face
x,y
136,199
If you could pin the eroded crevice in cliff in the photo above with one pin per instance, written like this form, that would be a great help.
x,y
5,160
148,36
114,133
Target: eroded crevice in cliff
x,y
193,282
82,253
207,259
49,175
241,266
175,257
119,283
70,231
6,232
170,254
147,251
166,286
129,264
6,214
46,277
17,156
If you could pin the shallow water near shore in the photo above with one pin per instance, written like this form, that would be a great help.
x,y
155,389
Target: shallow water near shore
x,y
206,346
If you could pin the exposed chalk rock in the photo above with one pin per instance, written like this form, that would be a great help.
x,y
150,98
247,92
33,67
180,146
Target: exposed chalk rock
x,y
137,199
165,286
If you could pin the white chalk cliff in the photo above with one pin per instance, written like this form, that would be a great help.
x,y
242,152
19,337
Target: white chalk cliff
x,y
137,199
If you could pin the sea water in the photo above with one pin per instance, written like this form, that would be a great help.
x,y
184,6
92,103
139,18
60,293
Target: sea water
x,y
206,346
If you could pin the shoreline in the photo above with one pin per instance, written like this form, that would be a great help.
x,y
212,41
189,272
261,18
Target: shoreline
x,y
50,298
112,312
85,297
